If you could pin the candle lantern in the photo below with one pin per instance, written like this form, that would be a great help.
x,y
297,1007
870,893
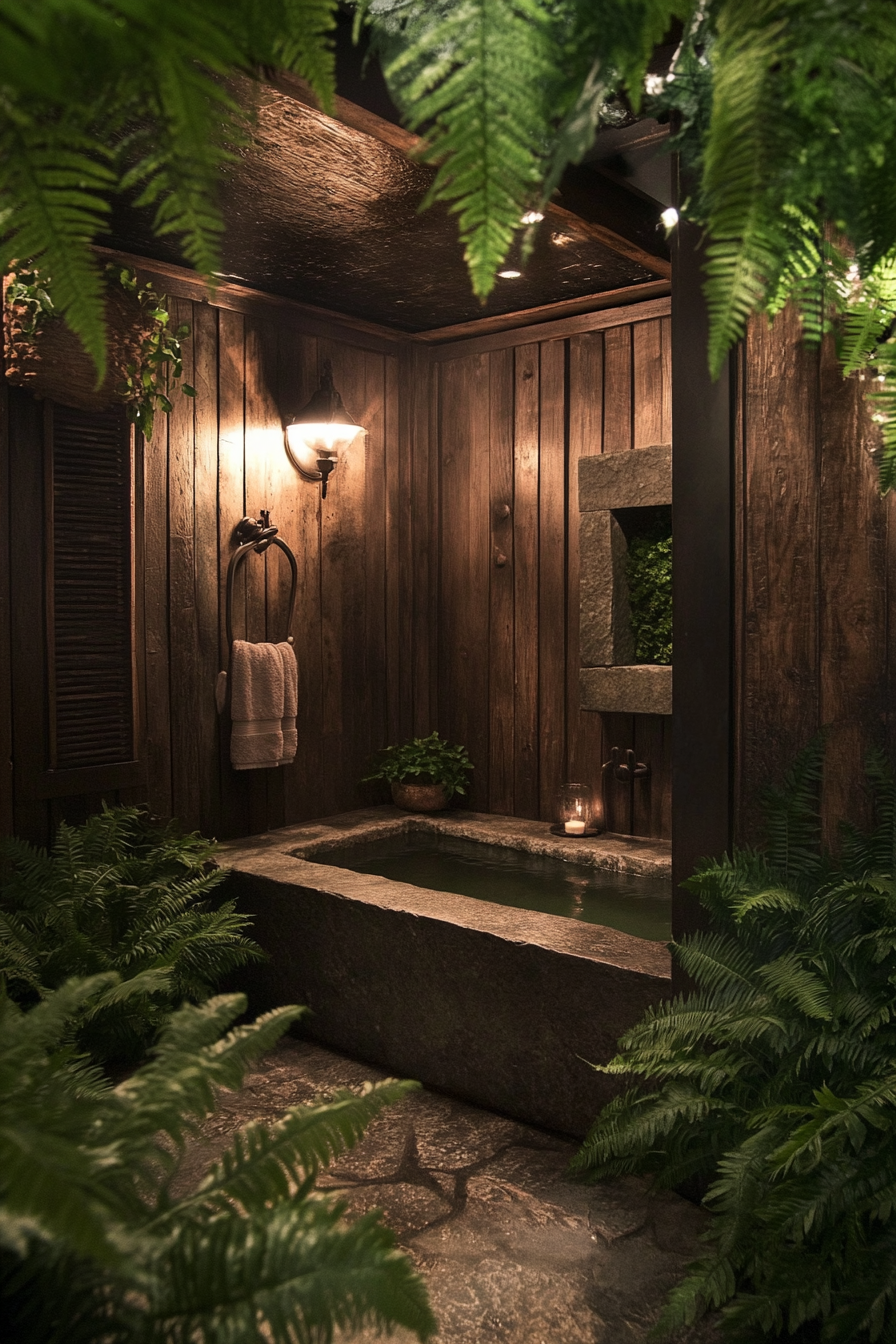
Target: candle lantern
x,y
577,811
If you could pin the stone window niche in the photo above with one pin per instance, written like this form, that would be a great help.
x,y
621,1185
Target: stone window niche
x,y
619,495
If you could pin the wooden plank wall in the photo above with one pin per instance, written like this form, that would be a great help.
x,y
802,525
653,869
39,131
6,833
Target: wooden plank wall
x,y
815,595
438,583
513,418
220,457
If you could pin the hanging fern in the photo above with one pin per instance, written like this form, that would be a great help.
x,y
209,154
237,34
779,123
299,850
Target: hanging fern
x,y
100,1243
775,1080
104,96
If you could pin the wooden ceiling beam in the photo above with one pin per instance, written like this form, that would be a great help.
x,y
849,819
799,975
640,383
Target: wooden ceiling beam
x,y
557,217
546,312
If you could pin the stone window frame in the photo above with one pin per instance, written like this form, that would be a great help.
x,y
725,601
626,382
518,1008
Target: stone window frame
x,y
609,681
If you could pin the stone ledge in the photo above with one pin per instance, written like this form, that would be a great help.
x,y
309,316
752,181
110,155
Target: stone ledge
x,y
641,689
638,479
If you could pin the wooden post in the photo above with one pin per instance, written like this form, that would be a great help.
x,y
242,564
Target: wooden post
x,y
701,586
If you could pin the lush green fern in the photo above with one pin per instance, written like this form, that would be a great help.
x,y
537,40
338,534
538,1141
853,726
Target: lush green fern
x,y
102,96
100,1242
117,894
776,1079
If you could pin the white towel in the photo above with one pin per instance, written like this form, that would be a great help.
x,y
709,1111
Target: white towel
x,y
290,703
256,705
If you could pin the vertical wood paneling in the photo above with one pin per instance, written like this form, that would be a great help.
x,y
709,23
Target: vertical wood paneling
x,y
813,576
155,607
463,633
297,380
648,376
585,749
261,441
617,390
374,700
781,555
205,551
666,352
525,590
853,555
231,508
502,564
552,616
397,558
346,686
404,620
414,575
185,689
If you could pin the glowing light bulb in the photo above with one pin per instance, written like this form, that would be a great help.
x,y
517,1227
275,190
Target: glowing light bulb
x,y
669,217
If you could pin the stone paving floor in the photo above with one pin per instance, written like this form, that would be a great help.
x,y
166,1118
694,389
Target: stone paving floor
x,y
512,1253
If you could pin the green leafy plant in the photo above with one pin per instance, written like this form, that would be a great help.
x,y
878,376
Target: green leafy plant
x,y
648,569
100,1243
776,1079
104,97
424,760
117,894
157,364
147,382
784,114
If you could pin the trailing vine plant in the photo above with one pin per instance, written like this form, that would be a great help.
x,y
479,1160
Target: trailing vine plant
x,y
146,379
146,383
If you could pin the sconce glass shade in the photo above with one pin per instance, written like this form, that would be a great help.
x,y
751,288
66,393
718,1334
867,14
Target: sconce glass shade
x,y
320,430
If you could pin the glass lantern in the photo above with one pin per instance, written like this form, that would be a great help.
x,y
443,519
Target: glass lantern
x,y
576,810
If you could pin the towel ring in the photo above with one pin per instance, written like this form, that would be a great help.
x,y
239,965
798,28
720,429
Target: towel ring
x,y
257,535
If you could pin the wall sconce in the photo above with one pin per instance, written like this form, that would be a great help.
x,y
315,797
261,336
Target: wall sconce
x,y
317,433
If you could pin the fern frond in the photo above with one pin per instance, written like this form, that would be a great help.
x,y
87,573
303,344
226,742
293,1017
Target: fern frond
x,y
475,74
54,185
265,1162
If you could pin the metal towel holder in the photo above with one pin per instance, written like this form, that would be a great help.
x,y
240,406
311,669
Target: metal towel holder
x,y
257,535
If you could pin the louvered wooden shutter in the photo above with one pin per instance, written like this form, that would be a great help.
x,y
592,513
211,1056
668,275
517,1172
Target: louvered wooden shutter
x,y
74,620
89,590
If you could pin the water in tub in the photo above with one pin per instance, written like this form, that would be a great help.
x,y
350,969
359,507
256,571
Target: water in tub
x,y
633,903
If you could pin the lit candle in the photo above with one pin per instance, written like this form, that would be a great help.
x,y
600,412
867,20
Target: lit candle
x,y
574,827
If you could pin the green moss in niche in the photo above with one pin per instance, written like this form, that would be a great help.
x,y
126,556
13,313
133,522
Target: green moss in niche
x,y
649,574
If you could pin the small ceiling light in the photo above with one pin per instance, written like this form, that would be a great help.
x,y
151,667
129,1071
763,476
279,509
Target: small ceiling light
x,y
532,217
510,275
319,431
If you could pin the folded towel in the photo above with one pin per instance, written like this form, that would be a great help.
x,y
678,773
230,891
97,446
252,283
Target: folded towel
x,y
290,703
256,705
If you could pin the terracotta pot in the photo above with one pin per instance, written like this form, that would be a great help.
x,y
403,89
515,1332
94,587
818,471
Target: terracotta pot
x,y
419,797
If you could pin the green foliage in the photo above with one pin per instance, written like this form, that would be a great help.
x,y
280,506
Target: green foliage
x,y
105,96
145,385
648,569
507,92
786,120
101,1241
776,1078
424,760
117,894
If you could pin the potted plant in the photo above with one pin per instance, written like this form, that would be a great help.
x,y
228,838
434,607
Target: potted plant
x,y
424,773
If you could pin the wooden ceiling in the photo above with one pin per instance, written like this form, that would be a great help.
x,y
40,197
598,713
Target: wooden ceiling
x,y
326,211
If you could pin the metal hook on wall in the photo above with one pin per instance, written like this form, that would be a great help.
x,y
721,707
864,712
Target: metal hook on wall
x,y
629,770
